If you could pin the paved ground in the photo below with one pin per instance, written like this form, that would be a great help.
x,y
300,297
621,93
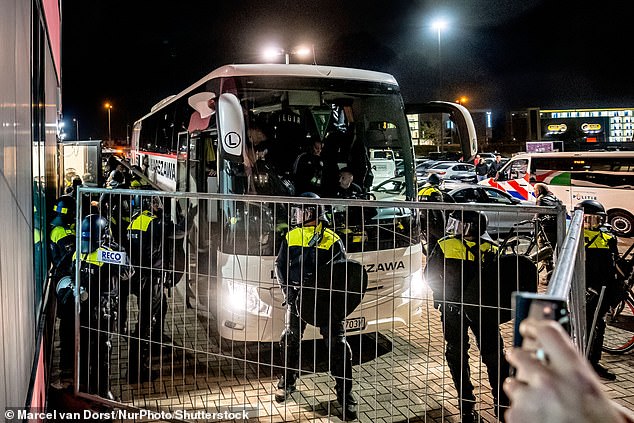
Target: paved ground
x,y
400,376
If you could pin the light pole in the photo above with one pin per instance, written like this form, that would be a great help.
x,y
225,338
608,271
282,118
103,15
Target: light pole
x,y
439,25
76,128
108,107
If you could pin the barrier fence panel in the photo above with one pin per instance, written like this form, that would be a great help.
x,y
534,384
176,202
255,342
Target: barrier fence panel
x,y
193,304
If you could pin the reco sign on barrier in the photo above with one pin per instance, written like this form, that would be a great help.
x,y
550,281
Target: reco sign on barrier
x,y
112,257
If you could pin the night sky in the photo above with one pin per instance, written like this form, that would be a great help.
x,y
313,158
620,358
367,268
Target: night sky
x,y
502,55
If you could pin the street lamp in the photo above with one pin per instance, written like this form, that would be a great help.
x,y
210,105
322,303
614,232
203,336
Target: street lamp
x,y
439,25
108,107
76,128
462,100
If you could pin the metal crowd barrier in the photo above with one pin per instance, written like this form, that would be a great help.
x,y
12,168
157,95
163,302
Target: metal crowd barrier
x,y
568,281
223,314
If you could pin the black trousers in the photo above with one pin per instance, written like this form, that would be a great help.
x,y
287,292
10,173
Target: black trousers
x,y
456,321
340,353
152,305
97,323
596,342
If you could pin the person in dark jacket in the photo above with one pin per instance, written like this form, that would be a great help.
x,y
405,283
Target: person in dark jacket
x,y
306,250
157,257
545,197
454,272
494,169
62,248
100,282
432,221
481,168
601,274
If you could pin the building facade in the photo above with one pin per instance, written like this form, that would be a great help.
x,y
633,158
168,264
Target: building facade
x,y
29,109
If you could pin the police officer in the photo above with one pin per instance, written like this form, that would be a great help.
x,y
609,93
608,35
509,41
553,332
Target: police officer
x,y
115,206
62,248
98,316
601,254
432,221
156,258
307,249
454,272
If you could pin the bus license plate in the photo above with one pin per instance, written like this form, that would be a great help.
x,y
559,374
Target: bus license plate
x,y
355,324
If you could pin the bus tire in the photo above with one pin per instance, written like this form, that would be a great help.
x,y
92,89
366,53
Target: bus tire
x,y
622,223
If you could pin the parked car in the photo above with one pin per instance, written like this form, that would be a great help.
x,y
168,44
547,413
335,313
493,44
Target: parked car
x,y
500,222
464,172
383,164
421,168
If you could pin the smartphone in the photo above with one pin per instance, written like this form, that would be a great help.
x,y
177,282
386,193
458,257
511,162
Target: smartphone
x,y
538,306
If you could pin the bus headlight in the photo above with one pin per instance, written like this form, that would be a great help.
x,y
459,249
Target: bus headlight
x,y
245,297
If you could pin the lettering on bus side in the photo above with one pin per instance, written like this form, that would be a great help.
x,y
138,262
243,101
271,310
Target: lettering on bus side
x,y
374,267
384,267
163,168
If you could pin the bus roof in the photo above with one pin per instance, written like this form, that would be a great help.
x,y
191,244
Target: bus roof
x,y
268,69
615,154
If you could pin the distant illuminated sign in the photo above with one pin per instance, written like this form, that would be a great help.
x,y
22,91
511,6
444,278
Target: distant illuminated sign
x,y
591,127
557,127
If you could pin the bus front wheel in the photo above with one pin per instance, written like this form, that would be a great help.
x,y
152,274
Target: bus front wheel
x,y
622,223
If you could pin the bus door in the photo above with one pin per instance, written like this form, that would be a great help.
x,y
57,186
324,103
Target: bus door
x,y
461,119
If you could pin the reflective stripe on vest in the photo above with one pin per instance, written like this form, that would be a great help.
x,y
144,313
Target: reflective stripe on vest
x,y
60,232
300,237
141,222
454,248
428,191
598,241
90,258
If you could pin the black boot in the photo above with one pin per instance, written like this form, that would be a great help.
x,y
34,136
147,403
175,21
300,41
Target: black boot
x,y
471,416
348,403
284,388
603,372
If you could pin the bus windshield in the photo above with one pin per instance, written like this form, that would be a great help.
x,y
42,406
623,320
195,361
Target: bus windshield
x,y
300,133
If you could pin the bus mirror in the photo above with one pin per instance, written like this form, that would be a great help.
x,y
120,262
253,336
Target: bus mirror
x,y
231,126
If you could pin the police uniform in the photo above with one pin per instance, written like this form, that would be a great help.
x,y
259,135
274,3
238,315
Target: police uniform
x,y
98,320
432,221
304,251
61,248
145,247
116,207
453,271
601,253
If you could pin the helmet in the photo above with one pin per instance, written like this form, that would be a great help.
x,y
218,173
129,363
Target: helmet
x,y
303,213
115,176
433,179
94,228
65,290
594,213
467,223
64,210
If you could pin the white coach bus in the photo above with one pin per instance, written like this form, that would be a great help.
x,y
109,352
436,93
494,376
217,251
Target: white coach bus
x,y
605,176
203,140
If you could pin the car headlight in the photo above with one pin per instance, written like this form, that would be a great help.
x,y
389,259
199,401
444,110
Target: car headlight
x,y
245,297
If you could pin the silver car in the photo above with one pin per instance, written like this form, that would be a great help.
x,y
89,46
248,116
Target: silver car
x,y
459,171
500,223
